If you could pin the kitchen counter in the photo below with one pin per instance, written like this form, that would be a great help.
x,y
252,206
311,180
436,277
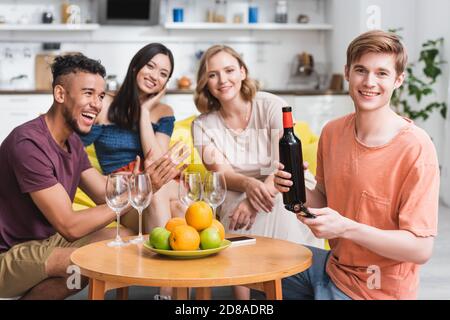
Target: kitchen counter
x,y
178,91
314,107
25,92
305,92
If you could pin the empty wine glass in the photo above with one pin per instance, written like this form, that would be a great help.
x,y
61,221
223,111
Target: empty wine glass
x,y
117,199
140,195
215,189
190,188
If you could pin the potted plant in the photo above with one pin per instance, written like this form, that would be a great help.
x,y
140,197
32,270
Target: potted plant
x,y
419,86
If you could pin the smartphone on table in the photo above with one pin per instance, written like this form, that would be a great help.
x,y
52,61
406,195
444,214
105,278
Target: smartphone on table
x,y
241,240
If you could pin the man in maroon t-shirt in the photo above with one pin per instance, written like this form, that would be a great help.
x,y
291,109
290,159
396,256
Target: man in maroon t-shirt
x,y
42,162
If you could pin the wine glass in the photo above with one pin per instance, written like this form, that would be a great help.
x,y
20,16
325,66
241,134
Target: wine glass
x,y
215,189
140,195
117,199
190,188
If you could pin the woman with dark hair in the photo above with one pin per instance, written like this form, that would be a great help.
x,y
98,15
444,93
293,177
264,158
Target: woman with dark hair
x,y
133,122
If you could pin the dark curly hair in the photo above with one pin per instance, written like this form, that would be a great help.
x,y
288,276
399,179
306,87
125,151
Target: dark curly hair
x,y
73,63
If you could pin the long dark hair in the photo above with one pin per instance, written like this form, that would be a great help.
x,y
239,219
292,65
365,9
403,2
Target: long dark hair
x,y
124,111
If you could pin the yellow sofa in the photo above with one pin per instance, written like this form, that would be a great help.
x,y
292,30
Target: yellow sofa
x,y
182,131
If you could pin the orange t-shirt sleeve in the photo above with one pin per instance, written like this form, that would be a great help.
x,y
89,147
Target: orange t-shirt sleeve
x,y
320,151
420,198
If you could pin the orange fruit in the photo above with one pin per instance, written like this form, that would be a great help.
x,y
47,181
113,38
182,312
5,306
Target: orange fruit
x,y
216,224
199,215
184,238
175,222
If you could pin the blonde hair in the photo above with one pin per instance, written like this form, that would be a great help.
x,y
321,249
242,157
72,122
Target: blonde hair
x,y
378,41
203,98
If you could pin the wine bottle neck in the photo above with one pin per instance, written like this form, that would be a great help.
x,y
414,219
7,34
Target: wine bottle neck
x,y
287,120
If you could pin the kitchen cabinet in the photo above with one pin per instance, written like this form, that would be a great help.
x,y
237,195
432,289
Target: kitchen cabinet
x,y
16,109
235,15
182,105
246,26
289,99
318,110
49,27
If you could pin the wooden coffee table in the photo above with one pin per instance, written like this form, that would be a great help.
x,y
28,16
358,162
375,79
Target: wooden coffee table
x,y
259,266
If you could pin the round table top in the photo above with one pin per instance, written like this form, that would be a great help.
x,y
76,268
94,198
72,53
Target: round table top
x,y
266,260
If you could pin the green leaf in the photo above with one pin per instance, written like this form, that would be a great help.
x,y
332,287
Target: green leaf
x,y
427,91
421,83
432,72
444,111
429,55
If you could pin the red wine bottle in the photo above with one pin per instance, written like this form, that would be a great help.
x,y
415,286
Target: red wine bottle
x,y
290,148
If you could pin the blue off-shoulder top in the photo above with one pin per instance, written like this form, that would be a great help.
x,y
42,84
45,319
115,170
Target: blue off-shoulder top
x,y
116,147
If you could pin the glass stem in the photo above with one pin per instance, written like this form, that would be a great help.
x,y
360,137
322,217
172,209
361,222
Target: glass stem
x,y
140,222
118,226
214,211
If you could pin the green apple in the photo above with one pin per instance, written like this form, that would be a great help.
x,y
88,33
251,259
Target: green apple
x,y
210,238
159,238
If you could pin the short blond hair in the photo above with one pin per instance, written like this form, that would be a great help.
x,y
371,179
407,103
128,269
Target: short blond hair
x,y
378,41
204,100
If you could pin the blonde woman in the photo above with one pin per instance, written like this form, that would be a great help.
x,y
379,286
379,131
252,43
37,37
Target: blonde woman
x,y
237,134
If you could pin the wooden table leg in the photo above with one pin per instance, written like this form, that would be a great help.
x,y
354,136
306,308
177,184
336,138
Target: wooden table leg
x,y
203,293
96,289
122,293
273,289
181,293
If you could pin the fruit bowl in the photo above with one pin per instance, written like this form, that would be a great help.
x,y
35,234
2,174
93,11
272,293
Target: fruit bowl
x,y
192,254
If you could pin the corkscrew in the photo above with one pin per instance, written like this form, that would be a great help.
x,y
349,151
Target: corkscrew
x,y
300,209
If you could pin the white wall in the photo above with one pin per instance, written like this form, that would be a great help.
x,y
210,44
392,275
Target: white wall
x,y
421,20
345,17
351,17
432,23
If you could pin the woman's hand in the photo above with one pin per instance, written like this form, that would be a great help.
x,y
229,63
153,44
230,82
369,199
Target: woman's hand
x,y
243,216
259,195
152,101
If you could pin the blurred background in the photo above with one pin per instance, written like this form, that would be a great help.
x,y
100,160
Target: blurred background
x,y
294,48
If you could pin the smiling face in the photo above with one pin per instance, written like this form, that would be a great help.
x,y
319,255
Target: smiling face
x,y
152,78
372,80
81,97
225,77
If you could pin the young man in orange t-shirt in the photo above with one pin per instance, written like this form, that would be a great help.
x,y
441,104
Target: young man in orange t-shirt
x,y
377,188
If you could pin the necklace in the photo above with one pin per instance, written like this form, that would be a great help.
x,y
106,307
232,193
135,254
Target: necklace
x,y
246,116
